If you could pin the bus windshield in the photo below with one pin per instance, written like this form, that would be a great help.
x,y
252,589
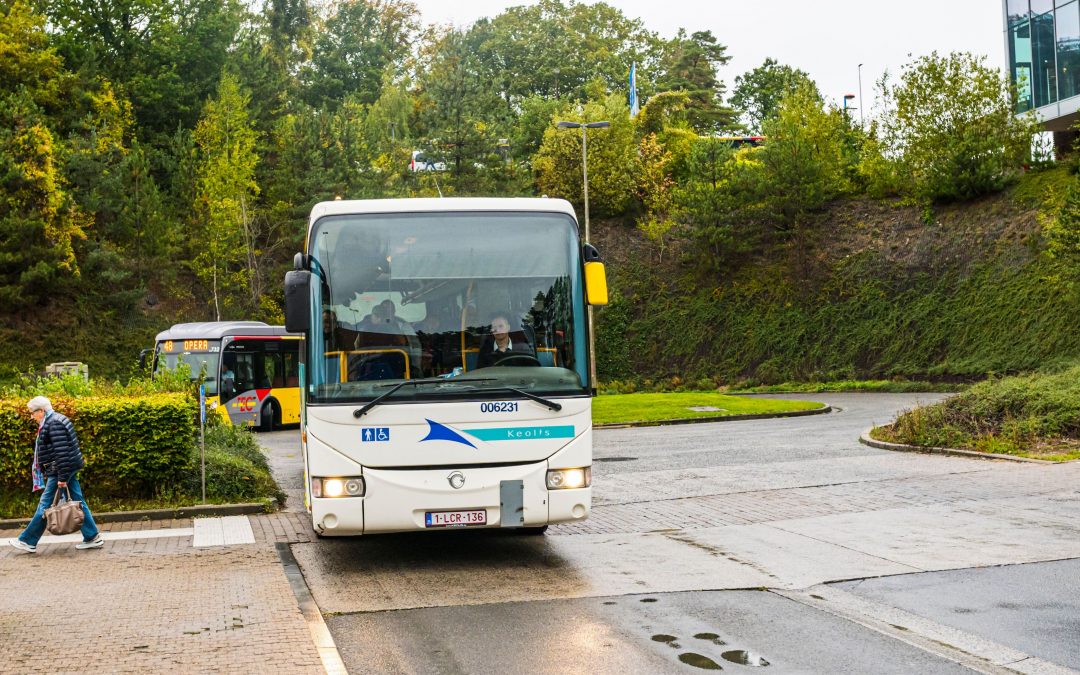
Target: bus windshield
x,y
469,300
198,362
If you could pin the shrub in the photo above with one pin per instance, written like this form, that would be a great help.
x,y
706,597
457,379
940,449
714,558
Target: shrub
x,y
133,446
1005,415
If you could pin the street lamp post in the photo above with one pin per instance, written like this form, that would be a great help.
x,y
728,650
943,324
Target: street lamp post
x,y
860,97
585,191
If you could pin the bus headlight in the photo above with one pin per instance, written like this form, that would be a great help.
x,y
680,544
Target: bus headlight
x,y
352,486
566,479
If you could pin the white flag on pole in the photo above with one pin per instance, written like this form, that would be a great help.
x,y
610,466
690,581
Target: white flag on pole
x,y
633,91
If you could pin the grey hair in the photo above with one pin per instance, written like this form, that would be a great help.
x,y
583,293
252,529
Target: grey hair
x,y
39,403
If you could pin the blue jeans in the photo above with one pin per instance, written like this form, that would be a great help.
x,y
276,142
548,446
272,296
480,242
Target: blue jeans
x,y
36,528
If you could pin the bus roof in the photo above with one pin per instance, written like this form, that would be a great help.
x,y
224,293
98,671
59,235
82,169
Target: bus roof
x,y
215,330
427,204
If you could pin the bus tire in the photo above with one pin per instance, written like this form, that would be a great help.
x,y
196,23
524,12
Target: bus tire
x,y
269,416
533,531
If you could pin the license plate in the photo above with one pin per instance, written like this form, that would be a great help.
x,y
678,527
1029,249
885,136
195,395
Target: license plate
x,y
455,518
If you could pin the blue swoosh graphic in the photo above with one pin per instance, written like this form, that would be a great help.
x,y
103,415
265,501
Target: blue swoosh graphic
x,y
440,432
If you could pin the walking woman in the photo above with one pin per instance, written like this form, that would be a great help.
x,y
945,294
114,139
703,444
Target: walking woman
x,y
57,459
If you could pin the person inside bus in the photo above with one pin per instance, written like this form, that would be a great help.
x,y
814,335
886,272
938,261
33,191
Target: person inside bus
x,y
228,378
382,328
502,345
337,336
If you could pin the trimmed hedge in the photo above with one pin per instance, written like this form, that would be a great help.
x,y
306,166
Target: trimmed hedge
x,y
133,446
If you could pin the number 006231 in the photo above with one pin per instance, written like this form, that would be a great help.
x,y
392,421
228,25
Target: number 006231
x,y
455,518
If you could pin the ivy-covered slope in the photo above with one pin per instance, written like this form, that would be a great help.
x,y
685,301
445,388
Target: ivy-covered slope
x,y
872,291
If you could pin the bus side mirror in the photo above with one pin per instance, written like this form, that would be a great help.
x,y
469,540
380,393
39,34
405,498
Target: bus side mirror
x,y
596,292
298,301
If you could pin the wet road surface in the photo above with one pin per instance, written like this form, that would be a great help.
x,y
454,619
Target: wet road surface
x,y
687,518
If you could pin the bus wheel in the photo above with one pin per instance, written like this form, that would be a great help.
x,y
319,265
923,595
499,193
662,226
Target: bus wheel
x,y
268,417
533,530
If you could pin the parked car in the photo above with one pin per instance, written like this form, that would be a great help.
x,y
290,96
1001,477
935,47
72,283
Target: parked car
x,y
421,162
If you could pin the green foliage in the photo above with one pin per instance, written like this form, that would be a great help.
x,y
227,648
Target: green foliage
x,y
858,316
1036,414
553,50
1063,232
355,47
236,468
758,92
804,159
139,443
462,112
39,221
689,66
132,446
653,185
225,257
611,153
167,54
948,132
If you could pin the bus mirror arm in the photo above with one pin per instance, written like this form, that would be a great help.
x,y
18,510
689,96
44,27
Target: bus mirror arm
x,y
300,262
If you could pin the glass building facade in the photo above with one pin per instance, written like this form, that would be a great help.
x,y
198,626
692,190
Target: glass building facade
x,y
1043,43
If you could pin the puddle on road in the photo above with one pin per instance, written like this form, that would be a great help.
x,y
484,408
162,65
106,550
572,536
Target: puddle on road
x,y
711,637
699,661
744,658
669,640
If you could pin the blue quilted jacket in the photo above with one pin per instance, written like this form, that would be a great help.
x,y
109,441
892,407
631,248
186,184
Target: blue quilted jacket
x,y
58,447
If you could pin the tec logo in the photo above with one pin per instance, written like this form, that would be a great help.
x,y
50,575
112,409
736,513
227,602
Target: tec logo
x,y
374,434
245,403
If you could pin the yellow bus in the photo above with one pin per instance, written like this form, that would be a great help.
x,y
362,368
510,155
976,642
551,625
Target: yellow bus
x,y
251,369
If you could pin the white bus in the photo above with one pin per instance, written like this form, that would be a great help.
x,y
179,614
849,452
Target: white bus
x,y
445,368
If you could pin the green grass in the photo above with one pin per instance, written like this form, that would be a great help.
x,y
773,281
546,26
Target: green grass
x,y
889,386
1035,415
625,408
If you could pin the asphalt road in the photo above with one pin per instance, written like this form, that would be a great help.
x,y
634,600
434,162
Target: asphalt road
x,y
1034,608
652,584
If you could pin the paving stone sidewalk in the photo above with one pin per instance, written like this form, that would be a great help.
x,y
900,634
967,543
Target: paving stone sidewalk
x,y
155,605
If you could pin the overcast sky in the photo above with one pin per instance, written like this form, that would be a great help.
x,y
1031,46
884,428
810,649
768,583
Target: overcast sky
x,y
827,39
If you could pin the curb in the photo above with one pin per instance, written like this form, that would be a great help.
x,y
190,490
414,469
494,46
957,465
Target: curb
x,y
320,634
199,510
954,452
718,418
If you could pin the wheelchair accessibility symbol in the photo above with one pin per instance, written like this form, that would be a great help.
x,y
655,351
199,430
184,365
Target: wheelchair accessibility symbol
x,y
375,434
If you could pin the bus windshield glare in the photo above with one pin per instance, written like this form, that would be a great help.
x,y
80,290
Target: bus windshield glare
x,y
469,300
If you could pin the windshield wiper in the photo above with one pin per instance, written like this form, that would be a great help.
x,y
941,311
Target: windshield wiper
x,y
359,412
532,397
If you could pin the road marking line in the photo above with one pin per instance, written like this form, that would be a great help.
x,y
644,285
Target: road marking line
x,y
111,536
225,531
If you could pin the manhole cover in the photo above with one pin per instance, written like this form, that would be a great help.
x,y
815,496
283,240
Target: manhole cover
x,y
706,408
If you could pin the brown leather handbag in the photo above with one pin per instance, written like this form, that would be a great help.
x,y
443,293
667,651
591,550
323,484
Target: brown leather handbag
x,y
65,515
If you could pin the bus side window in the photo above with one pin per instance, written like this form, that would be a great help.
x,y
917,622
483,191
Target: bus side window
x,y
274,376
291,369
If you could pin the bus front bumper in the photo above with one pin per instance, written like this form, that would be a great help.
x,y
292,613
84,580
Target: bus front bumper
x,y
489,497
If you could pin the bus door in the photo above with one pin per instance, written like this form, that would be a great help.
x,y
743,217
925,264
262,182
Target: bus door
x,y
242,372
281,370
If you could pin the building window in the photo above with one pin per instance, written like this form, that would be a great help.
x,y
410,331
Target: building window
x,y
1068,50
1020,54
1043,59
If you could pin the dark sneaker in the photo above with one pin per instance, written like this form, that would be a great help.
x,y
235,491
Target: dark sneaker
x,y
23,546
96,542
